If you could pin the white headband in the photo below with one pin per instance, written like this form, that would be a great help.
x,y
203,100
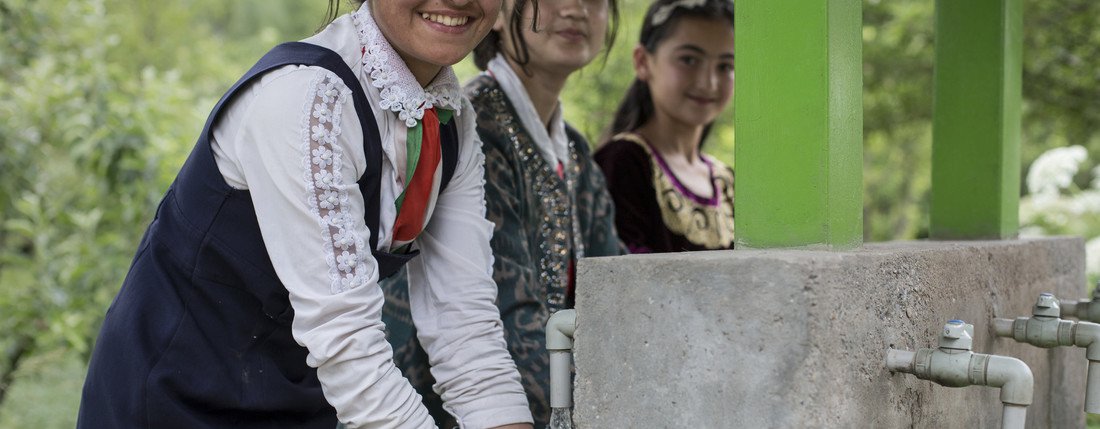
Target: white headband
x,y
665,11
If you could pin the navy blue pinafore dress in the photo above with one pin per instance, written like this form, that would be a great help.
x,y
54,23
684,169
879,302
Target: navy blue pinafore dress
x,y
199,335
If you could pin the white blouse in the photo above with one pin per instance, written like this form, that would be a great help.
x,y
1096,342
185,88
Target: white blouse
x,y
293,139
551,140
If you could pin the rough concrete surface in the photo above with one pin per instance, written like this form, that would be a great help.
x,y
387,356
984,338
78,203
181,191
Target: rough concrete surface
x,y
798,338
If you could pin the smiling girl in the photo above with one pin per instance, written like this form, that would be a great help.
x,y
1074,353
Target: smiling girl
x,y
253,301
669,196
545,195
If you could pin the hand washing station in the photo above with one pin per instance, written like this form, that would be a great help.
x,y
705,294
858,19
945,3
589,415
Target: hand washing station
x,y
798,338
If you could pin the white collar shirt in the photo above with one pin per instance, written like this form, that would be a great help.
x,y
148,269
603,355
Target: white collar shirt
x,y
552,141
293,140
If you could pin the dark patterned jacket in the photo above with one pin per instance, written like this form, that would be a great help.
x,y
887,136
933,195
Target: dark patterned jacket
x,y
541,227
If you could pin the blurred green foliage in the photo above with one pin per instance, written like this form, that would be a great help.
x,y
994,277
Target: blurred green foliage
x,y
1061,89
101,100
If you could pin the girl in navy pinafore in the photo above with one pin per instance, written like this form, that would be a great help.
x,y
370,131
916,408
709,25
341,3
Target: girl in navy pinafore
x,y
253,301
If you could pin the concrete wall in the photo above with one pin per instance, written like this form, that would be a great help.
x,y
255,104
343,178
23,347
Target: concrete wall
x,y
768,338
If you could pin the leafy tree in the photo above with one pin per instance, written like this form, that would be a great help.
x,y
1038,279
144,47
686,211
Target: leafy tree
x,y
1061,71
897,117
101,100
88,146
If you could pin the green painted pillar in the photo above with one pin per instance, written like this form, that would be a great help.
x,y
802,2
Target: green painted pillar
x,y
976,119
799,123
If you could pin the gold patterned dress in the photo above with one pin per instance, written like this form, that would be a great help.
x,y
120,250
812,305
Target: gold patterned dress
x,y
654,212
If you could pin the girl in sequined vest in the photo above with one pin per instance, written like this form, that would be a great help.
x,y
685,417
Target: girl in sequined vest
x,y
545,195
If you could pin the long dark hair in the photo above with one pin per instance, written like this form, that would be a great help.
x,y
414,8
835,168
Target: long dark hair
x,y
637,109
491,45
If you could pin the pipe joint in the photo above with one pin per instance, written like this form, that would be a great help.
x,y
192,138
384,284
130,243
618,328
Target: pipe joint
x,y
1082,309
1039,331
559,343
1047,332
560,329
1087,335
1092,312
1013,376
954,369
1074,307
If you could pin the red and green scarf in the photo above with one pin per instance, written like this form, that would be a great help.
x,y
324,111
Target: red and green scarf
x,y
423,157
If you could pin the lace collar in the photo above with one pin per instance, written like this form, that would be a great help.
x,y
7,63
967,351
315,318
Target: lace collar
x,y
400,92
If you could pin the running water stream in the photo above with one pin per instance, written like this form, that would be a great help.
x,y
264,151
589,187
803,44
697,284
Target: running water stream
x,y
561,418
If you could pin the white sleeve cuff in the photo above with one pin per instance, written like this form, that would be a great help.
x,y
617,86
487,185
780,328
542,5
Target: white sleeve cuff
x,y
493,411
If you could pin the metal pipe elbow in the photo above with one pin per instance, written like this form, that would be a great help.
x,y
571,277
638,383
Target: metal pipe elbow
x,y
559,330
1014,378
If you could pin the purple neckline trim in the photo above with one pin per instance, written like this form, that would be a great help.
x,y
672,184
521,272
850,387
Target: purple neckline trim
x,y
712,201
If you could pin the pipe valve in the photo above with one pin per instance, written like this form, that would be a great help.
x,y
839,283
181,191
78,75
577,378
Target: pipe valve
x,y
1083,309
1047,330
957,335
953,364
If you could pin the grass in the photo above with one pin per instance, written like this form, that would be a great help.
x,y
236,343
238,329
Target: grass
x,y
45,393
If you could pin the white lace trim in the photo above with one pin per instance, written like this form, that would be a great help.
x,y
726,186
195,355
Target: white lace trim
x,y
400,91
479,160
326,196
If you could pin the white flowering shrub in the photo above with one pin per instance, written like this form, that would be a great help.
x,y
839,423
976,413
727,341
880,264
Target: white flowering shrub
x,y
1056,205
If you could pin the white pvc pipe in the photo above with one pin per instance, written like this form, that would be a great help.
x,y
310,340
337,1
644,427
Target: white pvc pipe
x,y
1014,378
1003,327
561,392
559,330
1092,389
1070,307
1014,416
956,368
1087,335
559,343
900,360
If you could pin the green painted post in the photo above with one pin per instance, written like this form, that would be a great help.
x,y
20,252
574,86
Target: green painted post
x,y
799,123
976,119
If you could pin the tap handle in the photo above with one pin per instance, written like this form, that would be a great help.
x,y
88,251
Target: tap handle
x,y
957,335
1047,306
